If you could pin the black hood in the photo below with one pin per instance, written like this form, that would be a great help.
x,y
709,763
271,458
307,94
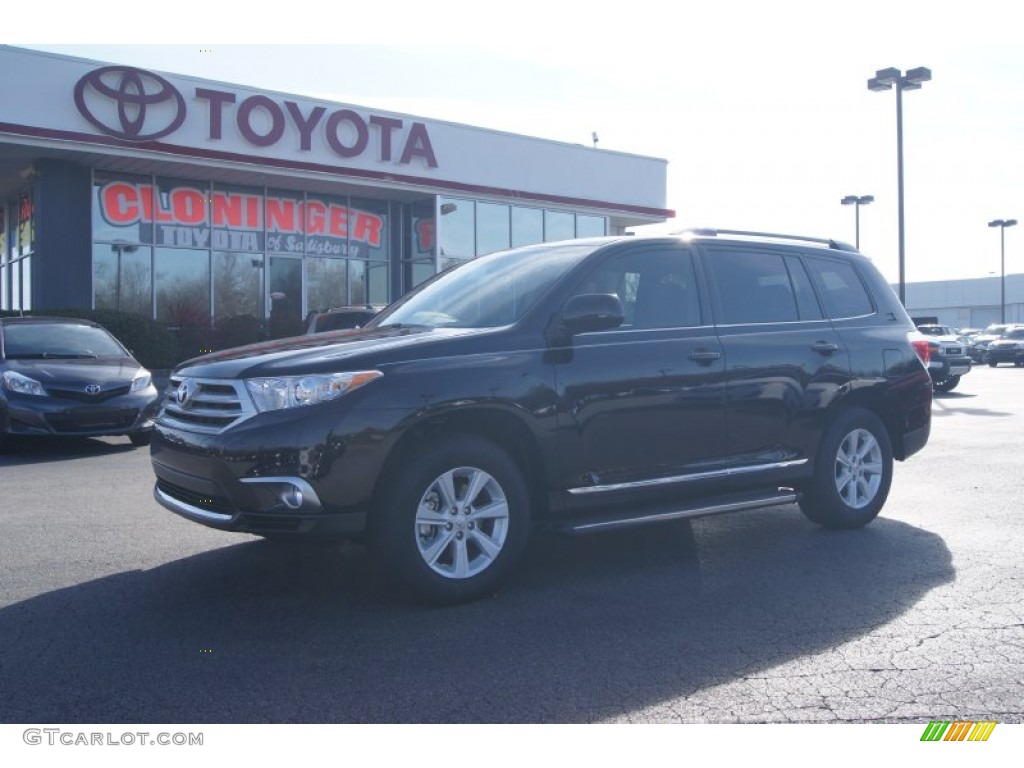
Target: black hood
x,y
107,371
319,352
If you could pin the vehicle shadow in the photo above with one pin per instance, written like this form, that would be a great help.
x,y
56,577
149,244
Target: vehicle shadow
x,y
23,450
590,628
941,408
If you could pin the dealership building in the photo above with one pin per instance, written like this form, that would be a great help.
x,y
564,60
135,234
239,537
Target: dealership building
x,y
192,201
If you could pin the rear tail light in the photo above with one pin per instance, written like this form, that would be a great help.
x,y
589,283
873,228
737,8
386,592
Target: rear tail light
x,y
923,349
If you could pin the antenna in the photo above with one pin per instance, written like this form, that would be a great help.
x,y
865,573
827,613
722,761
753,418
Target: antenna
x,y
593,135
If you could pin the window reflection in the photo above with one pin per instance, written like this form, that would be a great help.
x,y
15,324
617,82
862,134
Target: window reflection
x,y
559,225
122,277
237,284
183,287
492,228
457,230
527,226
326,283
590,226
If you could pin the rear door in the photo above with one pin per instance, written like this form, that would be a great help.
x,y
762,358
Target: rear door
x,y
784,363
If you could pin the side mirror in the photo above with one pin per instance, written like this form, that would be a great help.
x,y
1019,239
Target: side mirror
x,y
592,312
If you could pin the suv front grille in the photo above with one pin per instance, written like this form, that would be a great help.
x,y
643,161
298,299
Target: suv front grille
x,y
210,405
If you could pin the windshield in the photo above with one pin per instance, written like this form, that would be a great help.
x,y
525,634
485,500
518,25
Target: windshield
x,y
996,330
58,340
1016,333
490,291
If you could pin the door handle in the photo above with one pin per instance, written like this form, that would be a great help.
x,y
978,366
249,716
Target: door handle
x,y
704,357
824,347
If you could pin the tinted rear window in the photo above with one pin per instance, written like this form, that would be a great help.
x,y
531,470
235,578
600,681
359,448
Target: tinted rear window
x,y
752,287
840,287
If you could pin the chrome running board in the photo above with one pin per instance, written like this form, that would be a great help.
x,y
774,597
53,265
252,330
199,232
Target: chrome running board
x,y
722,505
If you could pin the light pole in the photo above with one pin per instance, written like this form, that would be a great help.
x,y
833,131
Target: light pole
x,y
1002,224
857,202
884,80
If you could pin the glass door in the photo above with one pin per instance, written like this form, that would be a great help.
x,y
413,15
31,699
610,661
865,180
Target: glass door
x,y
284,297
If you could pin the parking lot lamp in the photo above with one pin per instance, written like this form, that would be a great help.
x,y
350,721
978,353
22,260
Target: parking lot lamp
x,y
857,202
885,80
1002,224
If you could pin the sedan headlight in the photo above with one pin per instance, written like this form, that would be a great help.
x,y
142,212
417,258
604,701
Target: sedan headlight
x,y
142,380
274,393
23,385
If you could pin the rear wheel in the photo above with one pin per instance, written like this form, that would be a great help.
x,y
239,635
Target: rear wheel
x,y
992,364
853,472
947,384
140,438
453,522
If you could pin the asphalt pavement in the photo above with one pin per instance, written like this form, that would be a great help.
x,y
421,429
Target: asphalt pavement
x,y
114,610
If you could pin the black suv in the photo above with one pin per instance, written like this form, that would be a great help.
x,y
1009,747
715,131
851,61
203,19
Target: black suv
x,y
583,385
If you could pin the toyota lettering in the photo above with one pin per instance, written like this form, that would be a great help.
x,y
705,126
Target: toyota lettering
x,y
138,106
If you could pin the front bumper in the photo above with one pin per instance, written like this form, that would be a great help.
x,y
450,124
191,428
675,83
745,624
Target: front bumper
x,y
54,416
942,366
295,472
209,510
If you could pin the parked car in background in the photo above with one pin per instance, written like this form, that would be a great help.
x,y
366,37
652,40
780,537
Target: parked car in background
x,y
582,385
341,318
62,376
948,359
967,335
979,347
1008,348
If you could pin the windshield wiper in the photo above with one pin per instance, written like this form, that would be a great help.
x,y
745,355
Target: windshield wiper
x,y
400,326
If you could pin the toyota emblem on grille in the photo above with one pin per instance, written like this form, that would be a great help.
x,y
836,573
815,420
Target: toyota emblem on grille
x,y
184,393
92,389
117,100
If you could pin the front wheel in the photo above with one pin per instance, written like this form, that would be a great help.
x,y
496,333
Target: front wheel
x,y
947,384
139,439
852,474
454,521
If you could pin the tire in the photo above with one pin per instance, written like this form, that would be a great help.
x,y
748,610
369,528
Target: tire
x,y
992,364
140,438
453,522
838,498
947,384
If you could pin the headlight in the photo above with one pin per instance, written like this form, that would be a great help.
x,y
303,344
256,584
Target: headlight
x,y
23,385
274,393
142,380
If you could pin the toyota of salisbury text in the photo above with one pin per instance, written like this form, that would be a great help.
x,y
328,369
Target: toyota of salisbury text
x,y
581,385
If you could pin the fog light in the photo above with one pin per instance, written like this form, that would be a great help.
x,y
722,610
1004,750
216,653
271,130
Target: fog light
x,y
291,497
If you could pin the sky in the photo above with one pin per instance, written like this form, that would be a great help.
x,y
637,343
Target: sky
x,y
761,109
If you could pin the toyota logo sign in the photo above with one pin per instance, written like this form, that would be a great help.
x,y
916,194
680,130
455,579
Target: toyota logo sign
x,y
183,394
130,103
92,389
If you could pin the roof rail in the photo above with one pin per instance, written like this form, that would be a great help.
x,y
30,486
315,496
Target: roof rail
x,y
706,232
